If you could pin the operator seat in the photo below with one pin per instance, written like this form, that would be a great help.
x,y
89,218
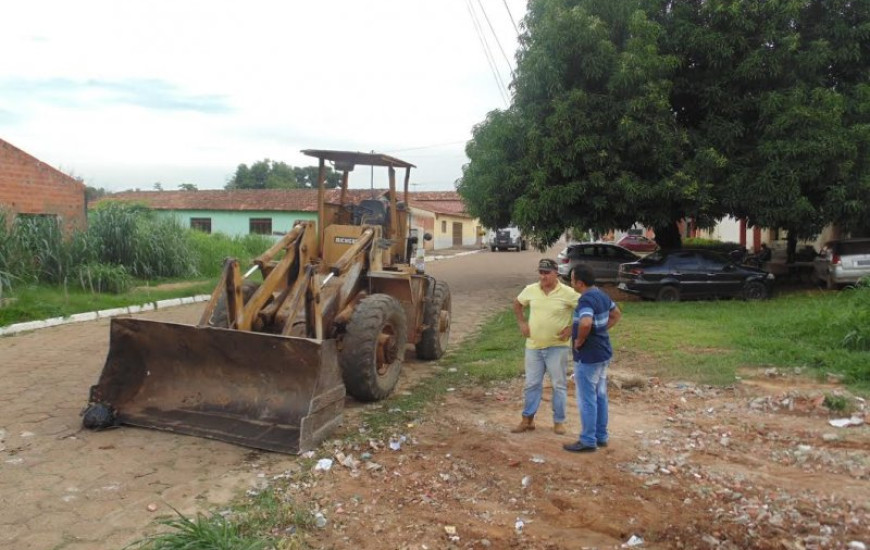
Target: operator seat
x,y
371,212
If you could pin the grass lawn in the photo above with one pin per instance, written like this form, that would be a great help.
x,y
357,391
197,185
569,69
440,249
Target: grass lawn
x,y
36,302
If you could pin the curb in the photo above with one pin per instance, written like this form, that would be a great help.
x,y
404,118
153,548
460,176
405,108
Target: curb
x,y
102,314
27,326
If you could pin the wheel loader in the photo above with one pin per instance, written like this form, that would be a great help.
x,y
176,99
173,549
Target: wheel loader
x,y
332,312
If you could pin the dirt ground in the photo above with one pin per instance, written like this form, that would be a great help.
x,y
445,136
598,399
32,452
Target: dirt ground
x,y
754,465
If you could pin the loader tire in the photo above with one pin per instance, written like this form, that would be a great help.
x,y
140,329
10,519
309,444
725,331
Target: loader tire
x,y
374,347
437,317
219,316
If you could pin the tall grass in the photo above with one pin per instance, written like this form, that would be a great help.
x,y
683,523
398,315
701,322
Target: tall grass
x,y
46,273
146,244
212,250
123,242
34,249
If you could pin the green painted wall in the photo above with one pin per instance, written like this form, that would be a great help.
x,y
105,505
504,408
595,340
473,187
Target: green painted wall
x,y
238,223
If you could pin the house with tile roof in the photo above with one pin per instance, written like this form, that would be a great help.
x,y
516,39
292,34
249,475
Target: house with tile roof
x,y
232,212
443,215
275,211
32,188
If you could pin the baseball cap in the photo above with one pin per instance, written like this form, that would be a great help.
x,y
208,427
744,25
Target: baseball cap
x,y
547,264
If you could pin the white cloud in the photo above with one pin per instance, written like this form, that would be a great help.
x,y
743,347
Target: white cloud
x,y
128,93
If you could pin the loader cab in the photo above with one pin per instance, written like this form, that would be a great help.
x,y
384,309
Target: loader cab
x,y
371,212
389,211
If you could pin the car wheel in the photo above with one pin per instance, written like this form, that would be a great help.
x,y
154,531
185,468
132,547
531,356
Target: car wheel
x,y
754,291
492,249
669,294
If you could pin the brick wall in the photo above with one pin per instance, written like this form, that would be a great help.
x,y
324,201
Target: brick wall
x,y
29,186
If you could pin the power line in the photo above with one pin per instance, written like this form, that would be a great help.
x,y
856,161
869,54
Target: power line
x,y
510,15
495,36
486,50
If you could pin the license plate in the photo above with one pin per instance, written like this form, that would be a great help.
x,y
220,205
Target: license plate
x,y
862,262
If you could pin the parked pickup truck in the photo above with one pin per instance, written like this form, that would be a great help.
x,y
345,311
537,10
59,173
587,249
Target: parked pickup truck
x,y
507,238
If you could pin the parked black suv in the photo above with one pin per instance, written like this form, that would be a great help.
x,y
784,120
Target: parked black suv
x,y
687,273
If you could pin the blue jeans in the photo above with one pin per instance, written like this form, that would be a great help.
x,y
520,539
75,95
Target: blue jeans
x,y
591,382
552,361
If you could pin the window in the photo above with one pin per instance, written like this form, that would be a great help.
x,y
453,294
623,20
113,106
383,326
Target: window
x,y
201,224
443,226
686,261
581,252
260,226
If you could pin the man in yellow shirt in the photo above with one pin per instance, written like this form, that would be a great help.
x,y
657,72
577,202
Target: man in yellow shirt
x,y
548,335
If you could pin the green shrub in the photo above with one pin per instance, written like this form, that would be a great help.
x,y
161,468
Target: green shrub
x,y
201,533
147,244
837,403
212,250
711,244
97,277
35,249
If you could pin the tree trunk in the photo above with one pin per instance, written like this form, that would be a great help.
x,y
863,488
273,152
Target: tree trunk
x,y
791,247
668,236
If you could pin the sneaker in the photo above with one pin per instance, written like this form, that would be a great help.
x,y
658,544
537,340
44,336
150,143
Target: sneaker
x,y
602,444
559,428
578,447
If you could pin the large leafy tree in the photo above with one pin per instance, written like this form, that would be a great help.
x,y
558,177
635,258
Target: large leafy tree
x,y
654,111
779,90
269,174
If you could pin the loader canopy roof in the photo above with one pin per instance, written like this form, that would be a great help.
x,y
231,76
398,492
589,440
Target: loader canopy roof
x,y
351,158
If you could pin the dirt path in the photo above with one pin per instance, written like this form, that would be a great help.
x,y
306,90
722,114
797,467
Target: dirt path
x,y
755,465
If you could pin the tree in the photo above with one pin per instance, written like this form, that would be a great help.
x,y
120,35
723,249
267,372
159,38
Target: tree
x,y
307,177
94,193
654,111
590,139
268,174
188,187
779,90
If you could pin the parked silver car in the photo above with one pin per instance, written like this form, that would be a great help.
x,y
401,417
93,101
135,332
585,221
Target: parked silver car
x,y
842,262
603,258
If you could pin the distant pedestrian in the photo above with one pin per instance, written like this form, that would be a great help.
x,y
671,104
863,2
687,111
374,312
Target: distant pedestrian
x,y
595,314
547,334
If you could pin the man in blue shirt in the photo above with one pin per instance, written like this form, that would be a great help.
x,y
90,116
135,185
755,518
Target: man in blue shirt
x,y
596,313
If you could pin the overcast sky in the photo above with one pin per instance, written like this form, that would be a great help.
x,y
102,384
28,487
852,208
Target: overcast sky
x,y
128,93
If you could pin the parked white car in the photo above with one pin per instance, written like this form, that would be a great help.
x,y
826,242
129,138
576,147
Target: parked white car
x,y
507,238
842,262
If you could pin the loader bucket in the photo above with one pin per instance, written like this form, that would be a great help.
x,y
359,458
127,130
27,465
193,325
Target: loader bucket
x,y
270,392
